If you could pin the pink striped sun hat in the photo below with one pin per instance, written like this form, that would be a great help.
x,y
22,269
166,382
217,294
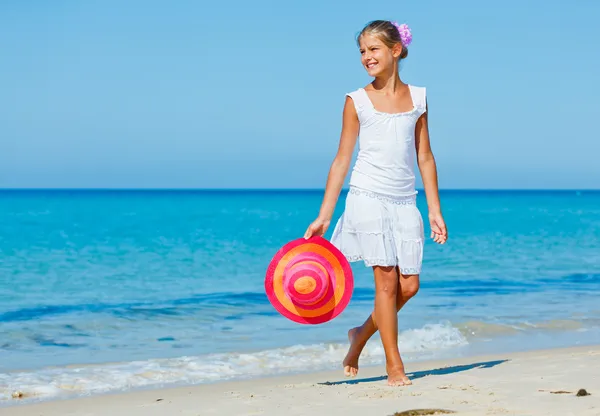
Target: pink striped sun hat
x,y
309,281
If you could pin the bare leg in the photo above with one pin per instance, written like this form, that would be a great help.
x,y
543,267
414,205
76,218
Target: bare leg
x,y
386,289
358,336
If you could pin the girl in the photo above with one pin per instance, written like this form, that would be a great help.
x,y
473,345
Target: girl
x,y
381,224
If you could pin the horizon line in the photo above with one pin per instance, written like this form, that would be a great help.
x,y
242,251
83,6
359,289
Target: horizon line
x,y
420,190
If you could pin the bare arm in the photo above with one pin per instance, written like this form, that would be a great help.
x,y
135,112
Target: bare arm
x,y
428,169
426,162
338,170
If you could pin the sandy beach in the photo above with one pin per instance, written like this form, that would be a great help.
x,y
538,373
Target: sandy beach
x,y
545,382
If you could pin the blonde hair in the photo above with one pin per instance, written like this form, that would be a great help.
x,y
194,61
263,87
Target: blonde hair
x,y
386,32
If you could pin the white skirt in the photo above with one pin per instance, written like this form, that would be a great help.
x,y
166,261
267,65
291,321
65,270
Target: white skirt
x,y
381,230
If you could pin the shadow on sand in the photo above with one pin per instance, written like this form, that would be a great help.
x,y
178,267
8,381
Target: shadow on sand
x,y
420,374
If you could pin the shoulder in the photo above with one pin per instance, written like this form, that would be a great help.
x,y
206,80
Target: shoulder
x,y
419,94
357,104
420,90
356,94
357,98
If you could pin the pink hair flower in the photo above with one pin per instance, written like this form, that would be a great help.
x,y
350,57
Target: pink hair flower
x,y
405,35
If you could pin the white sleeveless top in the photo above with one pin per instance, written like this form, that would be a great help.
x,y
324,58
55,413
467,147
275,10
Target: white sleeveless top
x,y
386,156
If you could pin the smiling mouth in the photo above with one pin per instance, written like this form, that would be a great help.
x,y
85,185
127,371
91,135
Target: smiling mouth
x,y
372,65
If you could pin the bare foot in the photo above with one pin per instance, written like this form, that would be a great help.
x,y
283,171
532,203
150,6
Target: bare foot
x,y
397,376
350,363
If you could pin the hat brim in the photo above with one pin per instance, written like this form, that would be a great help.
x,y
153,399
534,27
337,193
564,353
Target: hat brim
x,y
335,269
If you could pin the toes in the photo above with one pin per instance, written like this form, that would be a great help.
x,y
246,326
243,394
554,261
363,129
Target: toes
x,y
397,382
350,371
406,380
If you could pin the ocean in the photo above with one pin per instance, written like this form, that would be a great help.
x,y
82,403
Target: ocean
x,y
105,291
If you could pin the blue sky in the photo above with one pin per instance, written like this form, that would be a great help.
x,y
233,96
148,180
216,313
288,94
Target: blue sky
x,y
249,94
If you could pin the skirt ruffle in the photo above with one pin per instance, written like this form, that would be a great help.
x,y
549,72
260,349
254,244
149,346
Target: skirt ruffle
x,y
381,231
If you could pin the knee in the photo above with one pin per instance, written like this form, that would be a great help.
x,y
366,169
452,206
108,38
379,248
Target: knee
x,y
410,287
386,283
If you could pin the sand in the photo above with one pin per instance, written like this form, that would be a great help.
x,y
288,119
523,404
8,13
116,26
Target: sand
x,y
533,383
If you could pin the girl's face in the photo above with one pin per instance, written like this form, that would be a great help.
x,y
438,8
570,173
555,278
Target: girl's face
x,y
376,57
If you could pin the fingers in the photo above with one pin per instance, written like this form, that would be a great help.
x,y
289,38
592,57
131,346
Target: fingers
x,y
444,230
309,232
313,229
317,228
439,233
438,237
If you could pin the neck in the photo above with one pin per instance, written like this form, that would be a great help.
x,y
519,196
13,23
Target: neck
x,y
388,82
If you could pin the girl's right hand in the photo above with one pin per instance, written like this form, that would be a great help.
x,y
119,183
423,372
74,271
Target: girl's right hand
x,y
318,228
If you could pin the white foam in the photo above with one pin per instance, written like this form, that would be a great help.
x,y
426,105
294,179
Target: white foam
x,y
85,380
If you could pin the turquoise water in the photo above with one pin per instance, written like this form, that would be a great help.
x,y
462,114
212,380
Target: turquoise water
x,y
149,288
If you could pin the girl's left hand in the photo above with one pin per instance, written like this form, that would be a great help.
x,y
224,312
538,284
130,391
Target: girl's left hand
x,y
439,233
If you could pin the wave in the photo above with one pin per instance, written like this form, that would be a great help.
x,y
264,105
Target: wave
x,y
171,307
250,303
56,382
480,329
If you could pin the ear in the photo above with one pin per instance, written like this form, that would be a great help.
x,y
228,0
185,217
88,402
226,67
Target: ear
x,y
397,50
